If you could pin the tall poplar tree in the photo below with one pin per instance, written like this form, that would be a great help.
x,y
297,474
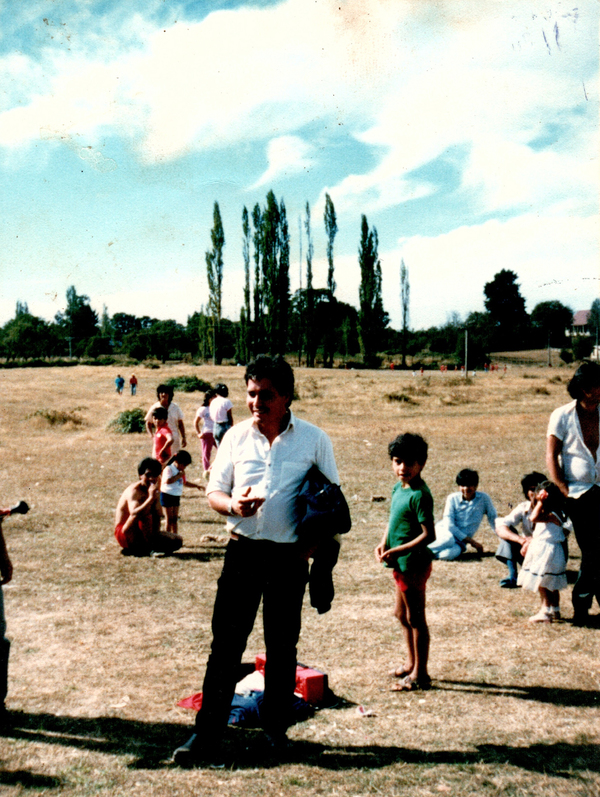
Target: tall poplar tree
x,y
331,228
244,343
258,328
310,299
405,305
372,318
214,272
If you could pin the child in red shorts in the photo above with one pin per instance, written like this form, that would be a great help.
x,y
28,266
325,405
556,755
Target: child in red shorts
x,y
404,548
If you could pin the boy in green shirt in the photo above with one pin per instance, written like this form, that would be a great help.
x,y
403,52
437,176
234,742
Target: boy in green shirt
x,y
404,548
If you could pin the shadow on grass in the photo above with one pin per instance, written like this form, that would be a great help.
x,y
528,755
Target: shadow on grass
x,y
28,780
201,556
150,745
578,698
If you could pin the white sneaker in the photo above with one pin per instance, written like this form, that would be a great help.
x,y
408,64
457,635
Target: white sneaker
x,y
543,616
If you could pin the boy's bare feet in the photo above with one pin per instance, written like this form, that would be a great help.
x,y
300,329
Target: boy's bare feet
x,y
401,672
410,684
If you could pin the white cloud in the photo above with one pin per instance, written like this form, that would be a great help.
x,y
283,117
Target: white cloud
x,y
286,155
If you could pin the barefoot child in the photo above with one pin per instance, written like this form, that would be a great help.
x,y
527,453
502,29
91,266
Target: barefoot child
x,y
171,487
404,548
545,567
138,515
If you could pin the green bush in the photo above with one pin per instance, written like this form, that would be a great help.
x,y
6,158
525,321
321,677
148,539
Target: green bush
x,y
129,422
188,384
566,356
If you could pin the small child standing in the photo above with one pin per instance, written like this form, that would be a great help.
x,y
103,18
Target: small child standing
x,y
545,567
404,548
511,542
171,488
204,426
163,437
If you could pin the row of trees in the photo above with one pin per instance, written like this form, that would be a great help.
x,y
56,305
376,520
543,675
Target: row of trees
x,y
312,323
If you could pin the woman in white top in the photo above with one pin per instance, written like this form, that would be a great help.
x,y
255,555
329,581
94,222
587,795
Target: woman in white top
x,y
573,464
220,412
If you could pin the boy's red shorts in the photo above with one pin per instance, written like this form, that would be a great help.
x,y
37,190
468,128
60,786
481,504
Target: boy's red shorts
x,y
412,580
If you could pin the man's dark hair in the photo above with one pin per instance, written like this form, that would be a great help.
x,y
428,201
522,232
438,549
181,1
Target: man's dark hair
x,y
467,478
168,389
276,369
160,413
586,377
531,480
409,447
152,465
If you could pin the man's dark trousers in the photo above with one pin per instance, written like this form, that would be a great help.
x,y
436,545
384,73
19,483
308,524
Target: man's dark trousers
x,y
254,569
585,514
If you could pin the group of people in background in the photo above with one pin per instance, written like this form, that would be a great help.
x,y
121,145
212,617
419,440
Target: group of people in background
x,y
162,477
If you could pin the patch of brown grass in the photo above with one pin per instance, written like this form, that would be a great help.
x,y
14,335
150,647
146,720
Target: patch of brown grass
x,y
104,646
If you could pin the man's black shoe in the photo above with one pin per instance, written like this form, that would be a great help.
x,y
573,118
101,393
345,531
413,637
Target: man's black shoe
x,y
581,619
187,755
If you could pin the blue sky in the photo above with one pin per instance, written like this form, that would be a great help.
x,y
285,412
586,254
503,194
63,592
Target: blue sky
x,y
466,131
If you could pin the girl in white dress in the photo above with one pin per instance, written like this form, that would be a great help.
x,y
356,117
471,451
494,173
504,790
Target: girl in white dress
x,y
545,566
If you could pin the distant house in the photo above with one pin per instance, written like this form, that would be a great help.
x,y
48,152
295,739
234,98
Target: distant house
x,y
580,323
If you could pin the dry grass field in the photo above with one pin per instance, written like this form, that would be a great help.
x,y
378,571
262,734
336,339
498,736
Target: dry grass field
x,y
104,645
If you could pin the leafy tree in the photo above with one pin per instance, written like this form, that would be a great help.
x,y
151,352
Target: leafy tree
x,y
372,318
506,308
405,305
122,324
550,320
27,336
594,320
79,322
214,271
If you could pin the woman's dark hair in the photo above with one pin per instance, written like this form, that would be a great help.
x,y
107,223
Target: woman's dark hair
x,y
276,369
168,389
587,376
208,397
467,478
531,480
409,447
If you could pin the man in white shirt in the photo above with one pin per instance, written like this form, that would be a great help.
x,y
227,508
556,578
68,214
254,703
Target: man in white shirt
x,y
254,482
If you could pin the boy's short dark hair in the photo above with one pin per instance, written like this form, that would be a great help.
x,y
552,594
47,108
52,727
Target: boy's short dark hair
x,y
276,369
467,478
183,457
531,480
149,464
160,413
409,447
221,390
168,389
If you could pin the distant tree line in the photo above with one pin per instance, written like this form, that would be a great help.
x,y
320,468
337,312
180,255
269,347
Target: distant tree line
x,y
310,325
